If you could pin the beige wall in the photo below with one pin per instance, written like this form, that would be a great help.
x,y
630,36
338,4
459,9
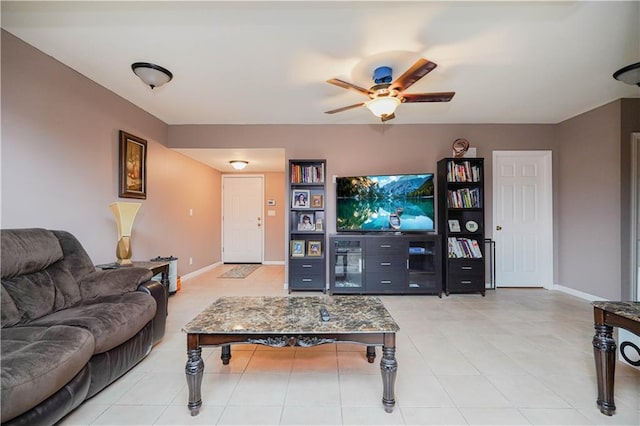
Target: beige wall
x,y
60,162
588,163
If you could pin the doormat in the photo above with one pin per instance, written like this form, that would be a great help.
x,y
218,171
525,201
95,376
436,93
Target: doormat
x,y
240,271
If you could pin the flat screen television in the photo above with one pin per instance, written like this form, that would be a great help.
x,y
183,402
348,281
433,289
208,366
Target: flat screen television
x,y
385,203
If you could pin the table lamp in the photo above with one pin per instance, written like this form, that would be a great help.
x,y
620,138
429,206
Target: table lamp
x,y
125,213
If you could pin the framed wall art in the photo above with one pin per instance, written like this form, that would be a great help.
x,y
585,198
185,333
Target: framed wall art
x,y
132,163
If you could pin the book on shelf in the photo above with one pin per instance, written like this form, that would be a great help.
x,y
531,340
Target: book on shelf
x,y
464,198
462,172
463,248
312,173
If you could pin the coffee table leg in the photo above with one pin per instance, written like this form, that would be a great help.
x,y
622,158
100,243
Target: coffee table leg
x,y
389,368
226,354
371,354
604,351
194,370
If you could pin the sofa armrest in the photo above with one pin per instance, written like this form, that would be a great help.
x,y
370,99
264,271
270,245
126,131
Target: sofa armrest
x,y
112,281
159,293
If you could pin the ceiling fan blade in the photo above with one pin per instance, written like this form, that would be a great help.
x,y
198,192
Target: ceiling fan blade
x,y
428,97
421,68
333,111
388,117
349,86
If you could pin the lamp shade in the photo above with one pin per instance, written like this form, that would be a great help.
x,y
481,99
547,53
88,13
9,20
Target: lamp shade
x,y
125,213
383,105
153,75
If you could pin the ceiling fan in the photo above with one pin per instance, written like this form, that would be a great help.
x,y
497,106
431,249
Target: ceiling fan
x,y
385,95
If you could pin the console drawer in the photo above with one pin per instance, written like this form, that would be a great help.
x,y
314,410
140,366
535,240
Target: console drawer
x,y
385,263
298,281
466,267
384,246
306,266
390,281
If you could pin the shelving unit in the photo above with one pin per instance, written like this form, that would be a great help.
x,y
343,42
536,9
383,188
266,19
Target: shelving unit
x,y
461,224
384,264
307,198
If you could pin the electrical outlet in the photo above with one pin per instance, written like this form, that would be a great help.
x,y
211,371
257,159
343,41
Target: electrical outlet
x,y
191,261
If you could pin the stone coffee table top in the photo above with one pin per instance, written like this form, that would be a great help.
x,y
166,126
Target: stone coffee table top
x,y
293,314
630,310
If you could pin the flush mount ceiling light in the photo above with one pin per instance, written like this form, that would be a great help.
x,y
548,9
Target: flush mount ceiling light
x,y
238,164
629,74
153,75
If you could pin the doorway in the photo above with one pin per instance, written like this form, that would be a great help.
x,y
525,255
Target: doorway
x,y
242,219
523,218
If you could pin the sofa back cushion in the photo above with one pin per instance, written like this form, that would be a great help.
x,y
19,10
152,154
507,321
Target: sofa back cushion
x,y
36,280
25,251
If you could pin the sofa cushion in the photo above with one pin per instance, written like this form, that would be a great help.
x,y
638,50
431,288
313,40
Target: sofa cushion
x,y
25,251
8,309
111,319
37,362
42,292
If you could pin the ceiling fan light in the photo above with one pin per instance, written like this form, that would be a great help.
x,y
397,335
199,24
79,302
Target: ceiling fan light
x,y
383,106
238,164
629,74
151,74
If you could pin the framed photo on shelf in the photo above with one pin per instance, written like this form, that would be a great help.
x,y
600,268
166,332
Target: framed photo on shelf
x,y
317,201
314,249
297,248
319,224
133,166
300,199
306,222
454,225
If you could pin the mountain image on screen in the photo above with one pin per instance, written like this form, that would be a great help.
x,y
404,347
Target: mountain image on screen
x,y
385,203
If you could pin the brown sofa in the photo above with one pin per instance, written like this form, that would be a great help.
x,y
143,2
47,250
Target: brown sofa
x,y
68,330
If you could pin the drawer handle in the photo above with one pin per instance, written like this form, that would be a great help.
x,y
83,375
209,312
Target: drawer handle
x,y
385,263
385,282
307,266
465,282
385,245
466,268
306,280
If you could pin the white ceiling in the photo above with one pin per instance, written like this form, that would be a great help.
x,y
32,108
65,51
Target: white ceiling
x,y
266,62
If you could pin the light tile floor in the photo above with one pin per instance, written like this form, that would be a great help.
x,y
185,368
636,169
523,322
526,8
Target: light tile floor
x,y
514,357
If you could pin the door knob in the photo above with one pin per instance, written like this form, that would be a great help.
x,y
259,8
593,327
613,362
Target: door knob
x,y
498,228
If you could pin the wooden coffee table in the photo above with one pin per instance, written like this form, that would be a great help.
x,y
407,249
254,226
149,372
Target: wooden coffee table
x,y
607,315
292,321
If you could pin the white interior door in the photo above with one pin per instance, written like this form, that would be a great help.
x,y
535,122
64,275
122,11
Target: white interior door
x,y
242,230
523,218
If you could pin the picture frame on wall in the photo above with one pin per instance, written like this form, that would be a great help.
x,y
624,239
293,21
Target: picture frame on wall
x,y
300,199
297,248
314,249
132,164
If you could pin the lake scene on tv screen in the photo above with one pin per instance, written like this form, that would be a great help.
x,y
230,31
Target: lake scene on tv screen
x,y
385,203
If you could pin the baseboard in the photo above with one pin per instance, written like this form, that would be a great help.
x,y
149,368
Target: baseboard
x,y
577,293
273,262
199,271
